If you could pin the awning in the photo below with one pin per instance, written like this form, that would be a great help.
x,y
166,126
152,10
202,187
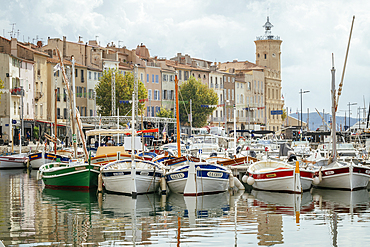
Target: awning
x,y
96,132
148,131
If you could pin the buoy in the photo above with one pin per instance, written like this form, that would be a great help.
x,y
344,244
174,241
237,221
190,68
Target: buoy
x,y
245,178
163,186
231,181
100,183
250,180
238,184
316,180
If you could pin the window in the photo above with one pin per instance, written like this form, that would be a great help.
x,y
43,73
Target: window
x,y
91,113
164,94
265,56
233,79
142,77
156,79
152,78
35,110
94,75
58,94
76,72
85,94
237,85
41,110
172,78
89,75
228,94
241,99
179,74
237,98
58,113
147,77
232,94
156,94
82,76
28,109
241,85
152,111
186,75
149,94
64,95
164,78
65,113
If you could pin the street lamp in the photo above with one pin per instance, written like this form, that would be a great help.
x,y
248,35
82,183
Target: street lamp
x,y
302,92
349,114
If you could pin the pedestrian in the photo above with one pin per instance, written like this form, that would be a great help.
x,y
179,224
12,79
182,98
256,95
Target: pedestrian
x,y
28,136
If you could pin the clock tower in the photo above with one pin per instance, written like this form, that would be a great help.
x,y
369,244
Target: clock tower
x,y
268,49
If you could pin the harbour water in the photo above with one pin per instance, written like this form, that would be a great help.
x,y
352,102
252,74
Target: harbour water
x,y
31,215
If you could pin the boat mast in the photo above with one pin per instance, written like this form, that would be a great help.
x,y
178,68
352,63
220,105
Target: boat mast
x,y
177,116
70,94
333,110
56,117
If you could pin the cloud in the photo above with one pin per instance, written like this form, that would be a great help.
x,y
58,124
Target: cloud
x,y
219,31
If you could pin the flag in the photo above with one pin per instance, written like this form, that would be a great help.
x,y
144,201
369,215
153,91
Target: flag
x,y
57,67
100,120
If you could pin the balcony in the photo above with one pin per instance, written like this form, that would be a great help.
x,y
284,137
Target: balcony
x,y
16,91
38,95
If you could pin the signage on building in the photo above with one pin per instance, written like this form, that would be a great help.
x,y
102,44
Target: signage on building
x,y
278,112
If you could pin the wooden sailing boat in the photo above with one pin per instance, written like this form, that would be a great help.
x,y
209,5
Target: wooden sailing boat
x,y
76,174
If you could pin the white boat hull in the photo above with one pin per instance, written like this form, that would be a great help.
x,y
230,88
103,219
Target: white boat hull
x,y
208,181
117,177
15,161
349,177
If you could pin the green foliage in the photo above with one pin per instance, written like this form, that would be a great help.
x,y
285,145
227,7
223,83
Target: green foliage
x,y
284,115
165,113
124,89
200,94
1,87
36,132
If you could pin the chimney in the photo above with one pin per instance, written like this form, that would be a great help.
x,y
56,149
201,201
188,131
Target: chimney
x,y
64,46
14,47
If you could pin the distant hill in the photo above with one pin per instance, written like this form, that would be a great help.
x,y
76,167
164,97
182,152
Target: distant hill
x,y
315,120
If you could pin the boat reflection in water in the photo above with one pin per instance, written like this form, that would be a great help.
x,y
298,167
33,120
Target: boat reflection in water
x,y
342,201
275,205
135,219
69,197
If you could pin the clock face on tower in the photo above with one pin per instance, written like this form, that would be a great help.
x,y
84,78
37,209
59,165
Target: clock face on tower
x,y
273,55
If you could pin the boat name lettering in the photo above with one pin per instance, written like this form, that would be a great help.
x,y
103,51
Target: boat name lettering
x,y
214,174
80,168
117,173
144,173
329,172
271,175
177,176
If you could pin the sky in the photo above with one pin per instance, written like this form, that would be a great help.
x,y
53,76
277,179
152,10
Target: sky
x,y
221,31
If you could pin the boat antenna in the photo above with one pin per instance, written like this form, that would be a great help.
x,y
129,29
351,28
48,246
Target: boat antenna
x,y
344,66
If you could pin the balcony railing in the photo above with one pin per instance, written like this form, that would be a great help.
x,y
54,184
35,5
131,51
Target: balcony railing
x,y
16,91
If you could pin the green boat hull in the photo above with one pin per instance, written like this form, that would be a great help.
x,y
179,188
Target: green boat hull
x,y
77,177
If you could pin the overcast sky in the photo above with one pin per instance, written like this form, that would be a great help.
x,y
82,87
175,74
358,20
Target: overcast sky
x,y
220,31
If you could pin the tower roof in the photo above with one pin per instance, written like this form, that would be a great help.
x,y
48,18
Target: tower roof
x,y
268,34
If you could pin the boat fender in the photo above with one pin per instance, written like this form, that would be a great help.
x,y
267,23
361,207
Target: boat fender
x,y
316,180
320,175
245,178
39,175
100,183
238,184
231,181
163,186
250,180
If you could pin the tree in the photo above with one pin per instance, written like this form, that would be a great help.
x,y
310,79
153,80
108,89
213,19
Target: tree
x,y
200,95
1,87
165,113
124,89
284,115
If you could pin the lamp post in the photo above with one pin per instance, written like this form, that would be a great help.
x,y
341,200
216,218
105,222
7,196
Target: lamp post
x,y
349,114
302,92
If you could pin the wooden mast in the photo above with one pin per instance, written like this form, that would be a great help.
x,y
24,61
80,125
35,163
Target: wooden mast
x,y
177,116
